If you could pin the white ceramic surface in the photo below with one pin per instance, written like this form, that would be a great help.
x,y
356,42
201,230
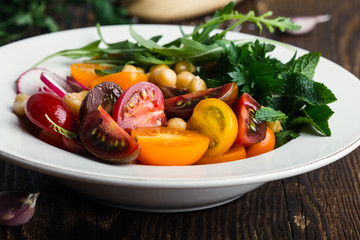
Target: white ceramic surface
x,y
169,189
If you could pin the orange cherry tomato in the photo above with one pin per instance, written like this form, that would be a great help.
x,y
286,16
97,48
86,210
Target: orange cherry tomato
x,y
123,79
236,152
264,146
169,146
84,73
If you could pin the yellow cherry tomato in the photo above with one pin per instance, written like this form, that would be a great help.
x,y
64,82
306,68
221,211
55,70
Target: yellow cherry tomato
x,y
215,119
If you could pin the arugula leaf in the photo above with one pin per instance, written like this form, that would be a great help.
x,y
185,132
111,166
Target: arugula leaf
x,y
204,35
90,50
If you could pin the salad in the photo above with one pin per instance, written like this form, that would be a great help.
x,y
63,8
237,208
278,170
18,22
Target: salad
x,y
199,99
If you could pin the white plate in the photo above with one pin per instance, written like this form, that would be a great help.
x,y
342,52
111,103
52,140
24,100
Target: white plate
x,y
151,188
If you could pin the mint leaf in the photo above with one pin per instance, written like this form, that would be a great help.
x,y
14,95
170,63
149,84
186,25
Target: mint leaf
x,y
285,136
305,64
300,87
270,115
320,116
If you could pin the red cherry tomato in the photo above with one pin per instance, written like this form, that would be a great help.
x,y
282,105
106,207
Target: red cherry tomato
x,y
43,106
250,129
183,106
141,105
264,146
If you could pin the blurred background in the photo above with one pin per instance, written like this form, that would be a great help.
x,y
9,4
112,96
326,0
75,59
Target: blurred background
x,y
24,18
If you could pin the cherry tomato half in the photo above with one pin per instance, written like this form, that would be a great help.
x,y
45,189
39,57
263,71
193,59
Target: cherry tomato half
x,y
123,79
84,73
251,130
168,146
141,105
264,146
215,119
183,106
43,106
105,139
236,152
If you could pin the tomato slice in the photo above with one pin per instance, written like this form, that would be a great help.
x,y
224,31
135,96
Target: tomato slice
x,y
105,139
264,146
236,152
251,130
123,79
215,119
168,146
84,73
141,105
183,106
46,108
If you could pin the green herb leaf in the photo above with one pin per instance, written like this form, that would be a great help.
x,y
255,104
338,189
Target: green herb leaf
x,y
300,87
320,116
270,115
305,64
62,131
285,136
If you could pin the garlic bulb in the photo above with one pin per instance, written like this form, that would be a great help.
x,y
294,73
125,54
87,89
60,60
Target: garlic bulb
x,y
16,208
307,23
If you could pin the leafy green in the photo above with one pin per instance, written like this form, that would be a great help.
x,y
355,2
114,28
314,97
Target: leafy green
x,y
284,137
320,116
270,115
305,64
60,130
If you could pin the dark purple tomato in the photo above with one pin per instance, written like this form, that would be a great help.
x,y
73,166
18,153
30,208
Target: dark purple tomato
x,y
141,105
183,106
104,94
170,92
45,109
105,139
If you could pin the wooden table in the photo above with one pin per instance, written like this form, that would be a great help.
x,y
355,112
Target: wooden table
x,y
322,204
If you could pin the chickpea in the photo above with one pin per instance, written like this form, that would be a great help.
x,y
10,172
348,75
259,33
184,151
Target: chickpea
x,y
197,84
177,123
129,68
184,79
157,67
20,103
165,77
140,70
274,126
73,100
181,66
154,72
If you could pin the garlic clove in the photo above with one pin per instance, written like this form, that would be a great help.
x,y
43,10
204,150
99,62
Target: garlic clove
x,y
16,208
307,23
